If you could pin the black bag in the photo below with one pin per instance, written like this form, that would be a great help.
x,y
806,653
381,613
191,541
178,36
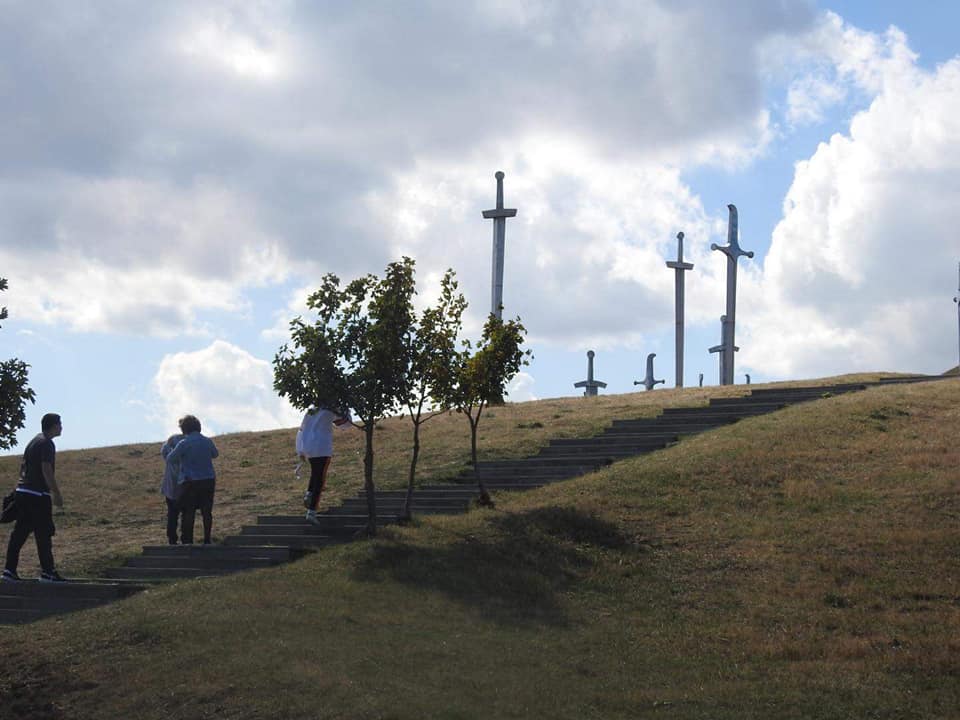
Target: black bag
x,y
9,513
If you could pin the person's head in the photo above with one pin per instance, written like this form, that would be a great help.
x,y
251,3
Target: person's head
x,y
189,424
50,424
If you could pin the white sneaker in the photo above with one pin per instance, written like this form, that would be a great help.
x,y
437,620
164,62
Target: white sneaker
x,y
312,517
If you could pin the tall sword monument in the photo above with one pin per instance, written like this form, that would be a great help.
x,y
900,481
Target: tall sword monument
x,y
733,252
499,216
679,267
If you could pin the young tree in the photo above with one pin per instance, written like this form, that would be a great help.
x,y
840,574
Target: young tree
x,y
433,357
356,355
14,393
482,377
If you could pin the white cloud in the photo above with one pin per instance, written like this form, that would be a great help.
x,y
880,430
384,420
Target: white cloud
x,y
520,388
132,256
226,387
809,96
860,266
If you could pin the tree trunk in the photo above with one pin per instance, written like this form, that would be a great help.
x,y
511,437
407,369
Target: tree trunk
x,y
368,487
407,514
484,498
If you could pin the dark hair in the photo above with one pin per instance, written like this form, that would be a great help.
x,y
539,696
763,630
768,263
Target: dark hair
x,y
48,421
189,424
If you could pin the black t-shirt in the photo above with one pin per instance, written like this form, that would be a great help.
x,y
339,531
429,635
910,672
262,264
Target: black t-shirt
x,y
39,450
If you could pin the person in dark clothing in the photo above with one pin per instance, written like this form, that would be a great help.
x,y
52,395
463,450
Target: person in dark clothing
x,y
37,493
195,454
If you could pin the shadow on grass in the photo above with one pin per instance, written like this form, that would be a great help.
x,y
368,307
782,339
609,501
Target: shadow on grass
x,y
513,575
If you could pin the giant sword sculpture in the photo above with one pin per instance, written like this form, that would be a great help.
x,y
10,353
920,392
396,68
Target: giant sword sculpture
x,y
679,267
499,216
733,252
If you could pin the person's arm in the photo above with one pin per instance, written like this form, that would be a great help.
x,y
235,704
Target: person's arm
x,y
166,450
344,420
213,450
174,455
47,469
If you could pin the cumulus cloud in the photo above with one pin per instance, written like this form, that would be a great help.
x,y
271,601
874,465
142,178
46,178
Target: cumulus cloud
x,y
229,389
860,266
238,144
130,255
520,389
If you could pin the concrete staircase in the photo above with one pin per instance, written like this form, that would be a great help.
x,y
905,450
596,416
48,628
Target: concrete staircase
x,y
277,539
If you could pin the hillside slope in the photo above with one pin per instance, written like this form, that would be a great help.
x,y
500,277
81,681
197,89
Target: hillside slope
x,y
802,564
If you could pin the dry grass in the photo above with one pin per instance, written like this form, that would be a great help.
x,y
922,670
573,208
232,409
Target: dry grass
x,y
797,565
113,506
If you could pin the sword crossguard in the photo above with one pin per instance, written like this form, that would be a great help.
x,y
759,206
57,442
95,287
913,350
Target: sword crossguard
x,y
500,211
732,249
679,264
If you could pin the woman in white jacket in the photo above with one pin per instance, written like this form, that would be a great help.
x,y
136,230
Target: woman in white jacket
x,y
315,443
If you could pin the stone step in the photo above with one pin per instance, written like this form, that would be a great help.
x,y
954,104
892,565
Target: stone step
x,y
509,478
296,542
78,588
616,439
397,509
562,465
443,492
417,502
598,452
721,411
678,425
332,521
239,563
176,573
811,391
746,401
512,484
187,552
305,530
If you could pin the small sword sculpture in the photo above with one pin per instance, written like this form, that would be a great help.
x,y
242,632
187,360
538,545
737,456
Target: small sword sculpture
x,y
590,384
701,379
648,382
679,267
748,378
499,216
733,252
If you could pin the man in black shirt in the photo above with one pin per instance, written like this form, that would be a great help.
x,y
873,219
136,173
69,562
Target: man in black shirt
x,y
37,493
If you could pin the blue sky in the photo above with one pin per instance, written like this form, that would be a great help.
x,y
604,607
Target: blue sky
x,y
177,176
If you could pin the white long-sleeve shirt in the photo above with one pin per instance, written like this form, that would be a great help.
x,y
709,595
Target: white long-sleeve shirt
x,y
315,437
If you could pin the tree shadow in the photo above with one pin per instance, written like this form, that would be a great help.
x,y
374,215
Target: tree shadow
x,y
515,577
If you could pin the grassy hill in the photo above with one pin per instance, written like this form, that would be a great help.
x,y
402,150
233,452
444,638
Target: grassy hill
x,y
804,564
